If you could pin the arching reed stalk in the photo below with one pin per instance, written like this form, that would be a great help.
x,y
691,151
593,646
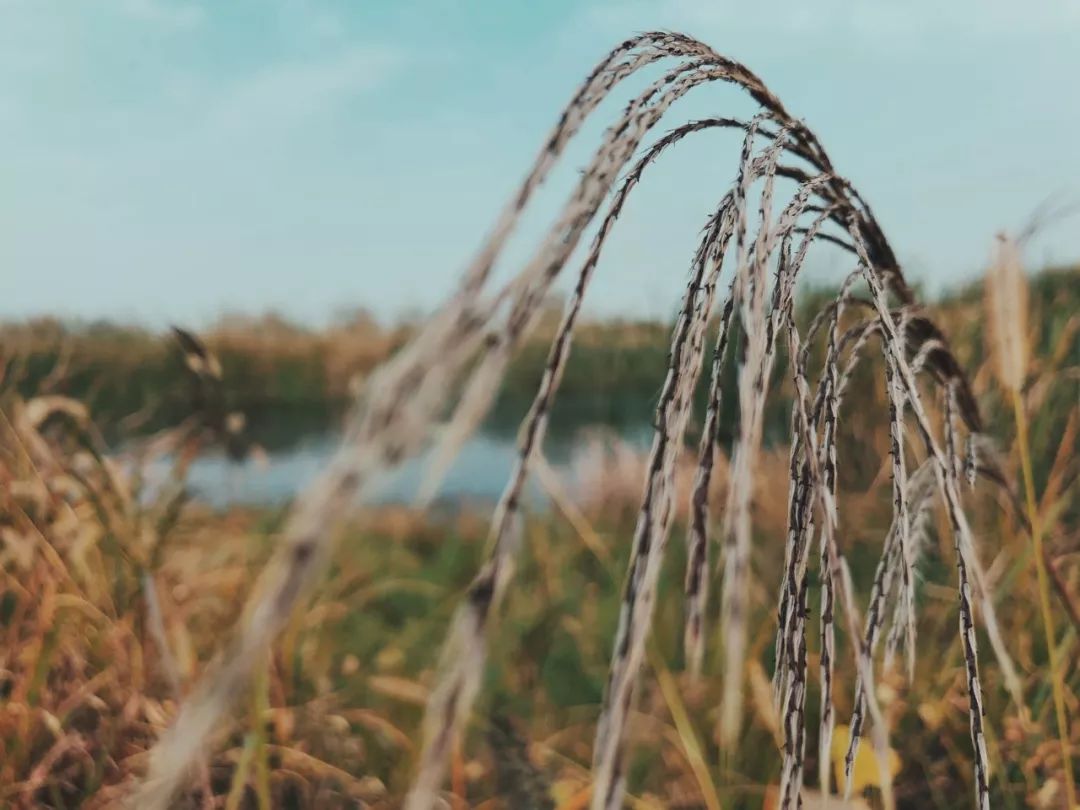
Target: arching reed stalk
x,y
791,775
831,389
471,339
697,540
965,553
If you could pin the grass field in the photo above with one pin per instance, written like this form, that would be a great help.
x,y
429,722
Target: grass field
x,y
85,687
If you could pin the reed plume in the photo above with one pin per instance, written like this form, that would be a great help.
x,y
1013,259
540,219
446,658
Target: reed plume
x,y
1006,305
1006,309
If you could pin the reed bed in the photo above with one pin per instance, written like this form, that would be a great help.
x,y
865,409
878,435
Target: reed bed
x,y
348,680
786,197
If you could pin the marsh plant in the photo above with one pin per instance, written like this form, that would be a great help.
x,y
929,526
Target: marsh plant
x,y
737,308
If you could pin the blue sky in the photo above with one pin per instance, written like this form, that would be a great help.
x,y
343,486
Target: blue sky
x,y
171,160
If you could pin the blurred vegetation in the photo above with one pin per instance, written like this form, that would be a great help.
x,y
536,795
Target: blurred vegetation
x,y
87,682
292,380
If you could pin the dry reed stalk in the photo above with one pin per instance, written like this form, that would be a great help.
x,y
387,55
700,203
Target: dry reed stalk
x,y
782,291
890,554
830,392
793,562
476,332
788,269
697,540
442,718
790,682
533,282
790,676
651,533
748,289
401,401
448,706
900,508
965,552
430,769
534,426
791,667
608,783
791,775
933,355
967,630
831,382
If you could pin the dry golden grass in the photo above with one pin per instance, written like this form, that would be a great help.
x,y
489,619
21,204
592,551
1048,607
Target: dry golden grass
x,y
118,668
86,693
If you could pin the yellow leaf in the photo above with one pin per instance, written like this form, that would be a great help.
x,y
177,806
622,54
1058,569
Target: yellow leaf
x,y
865,772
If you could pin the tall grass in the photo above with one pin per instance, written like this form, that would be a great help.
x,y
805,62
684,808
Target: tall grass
x,y
476,332
349,678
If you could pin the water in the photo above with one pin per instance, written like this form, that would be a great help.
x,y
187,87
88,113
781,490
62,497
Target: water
x,y
478,474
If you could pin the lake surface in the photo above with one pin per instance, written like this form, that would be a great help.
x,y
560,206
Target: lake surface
x,y
478,474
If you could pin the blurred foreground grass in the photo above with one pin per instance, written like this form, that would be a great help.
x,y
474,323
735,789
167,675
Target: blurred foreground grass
x,y
112,603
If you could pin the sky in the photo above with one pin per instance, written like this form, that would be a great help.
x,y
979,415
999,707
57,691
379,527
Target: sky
x,y
174,160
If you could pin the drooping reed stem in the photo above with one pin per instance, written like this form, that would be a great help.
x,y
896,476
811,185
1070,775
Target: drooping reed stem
x,y
827,509
697,540
944,469
897,401
650,535
790,685
831,382
459,677
472,338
